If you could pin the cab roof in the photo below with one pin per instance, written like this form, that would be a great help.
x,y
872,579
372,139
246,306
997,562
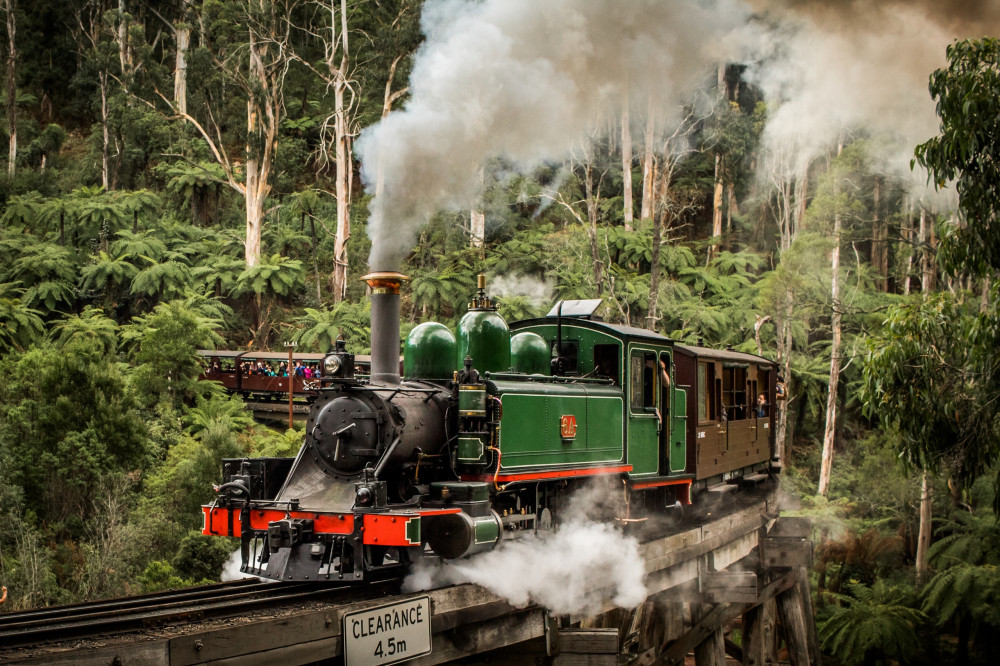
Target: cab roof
x,y
615,330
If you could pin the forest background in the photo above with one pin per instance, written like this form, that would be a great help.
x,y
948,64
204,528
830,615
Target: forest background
x,y
189,174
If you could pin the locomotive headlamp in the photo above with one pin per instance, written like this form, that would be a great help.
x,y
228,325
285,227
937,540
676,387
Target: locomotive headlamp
x,y
364,496
331,365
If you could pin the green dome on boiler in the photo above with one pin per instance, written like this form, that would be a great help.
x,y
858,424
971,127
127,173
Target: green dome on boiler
x,y
429,352
529,354
483,335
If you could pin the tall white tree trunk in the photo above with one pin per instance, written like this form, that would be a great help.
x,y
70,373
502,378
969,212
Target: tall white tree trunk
x,y
924,533
261,142
826,462
105,135
648,163
10,7
923,240
926,516
627,164
183,36
477,218
716,208
907,234
344,158
124,51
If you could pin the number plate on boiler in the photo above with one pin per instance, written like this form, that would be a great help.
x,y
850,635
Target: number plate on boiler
x,y
388,634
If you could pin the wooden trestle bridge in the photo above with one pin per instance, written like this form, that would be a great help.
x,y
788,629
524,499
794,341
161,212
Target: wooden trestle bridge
x,y
741,563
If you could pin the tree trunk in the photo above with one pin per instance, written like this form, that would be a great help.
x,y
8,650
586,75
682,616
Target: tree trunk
x,y
732,208
261,139
105,139
11,85
716,209
124,52
785,370
907,233
924,252
343,198
477,218
826,463
592,220
627,164
183,35
646,211
924,535
654,273
880,241
344,158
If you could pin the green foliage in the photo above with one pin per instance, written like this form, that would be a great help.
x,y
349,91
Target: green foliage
x,y
221,411
90,332
160,576
872,622
164,345
933,376
968,150
202,557
20,325
318,330
274,274
67,420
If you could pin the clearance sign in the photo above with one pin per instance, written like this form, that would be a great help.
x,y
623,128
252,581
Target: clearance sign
x,y
388,634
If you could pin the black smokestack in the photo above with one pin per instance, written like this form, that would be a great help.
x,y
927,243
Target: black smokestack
x,y
385,325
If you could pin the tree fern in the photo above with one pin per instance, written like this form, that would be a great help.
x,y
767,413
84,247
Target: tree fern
x,y
85,333
875,621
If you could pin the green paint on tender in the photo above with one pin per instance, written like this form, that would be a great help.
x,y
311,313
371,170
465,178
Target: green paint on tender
x,y
529,429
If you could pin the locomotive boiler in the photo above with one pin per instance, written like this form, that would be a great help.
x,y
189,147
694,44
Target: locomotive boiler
x,y
484,435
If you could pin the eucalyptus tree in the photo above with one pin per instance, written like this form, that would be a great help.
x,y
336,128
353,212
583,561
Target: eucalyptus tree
x,y
247,45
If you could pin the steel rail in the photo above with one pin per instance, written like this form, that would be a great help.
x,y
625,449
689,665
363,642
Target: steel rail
x,y
185,606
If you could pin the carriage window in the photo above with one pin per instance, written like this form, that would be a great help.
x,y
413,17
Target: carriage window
x,y
642,381
734,392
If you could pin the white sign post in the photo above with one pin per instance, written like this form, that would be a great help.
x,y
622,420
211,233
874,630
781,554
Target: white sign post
x,y
388,634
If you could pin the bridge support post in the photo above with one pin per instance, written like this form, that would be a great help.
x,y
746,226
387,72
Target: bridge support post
x,y
712,650
758,635
791,612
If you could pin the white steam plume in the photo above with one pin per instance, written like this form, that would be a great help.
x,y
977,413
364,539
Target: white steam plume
x,y
538,292
584,563
848,66
527,81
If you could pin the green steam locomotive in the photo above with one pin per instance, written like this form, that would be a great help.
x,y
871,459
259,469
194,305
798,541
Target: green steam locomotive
x,y
484,436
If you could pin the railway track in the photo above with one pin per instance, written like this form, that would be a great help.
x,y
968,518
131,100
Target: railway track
x,y
127,614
